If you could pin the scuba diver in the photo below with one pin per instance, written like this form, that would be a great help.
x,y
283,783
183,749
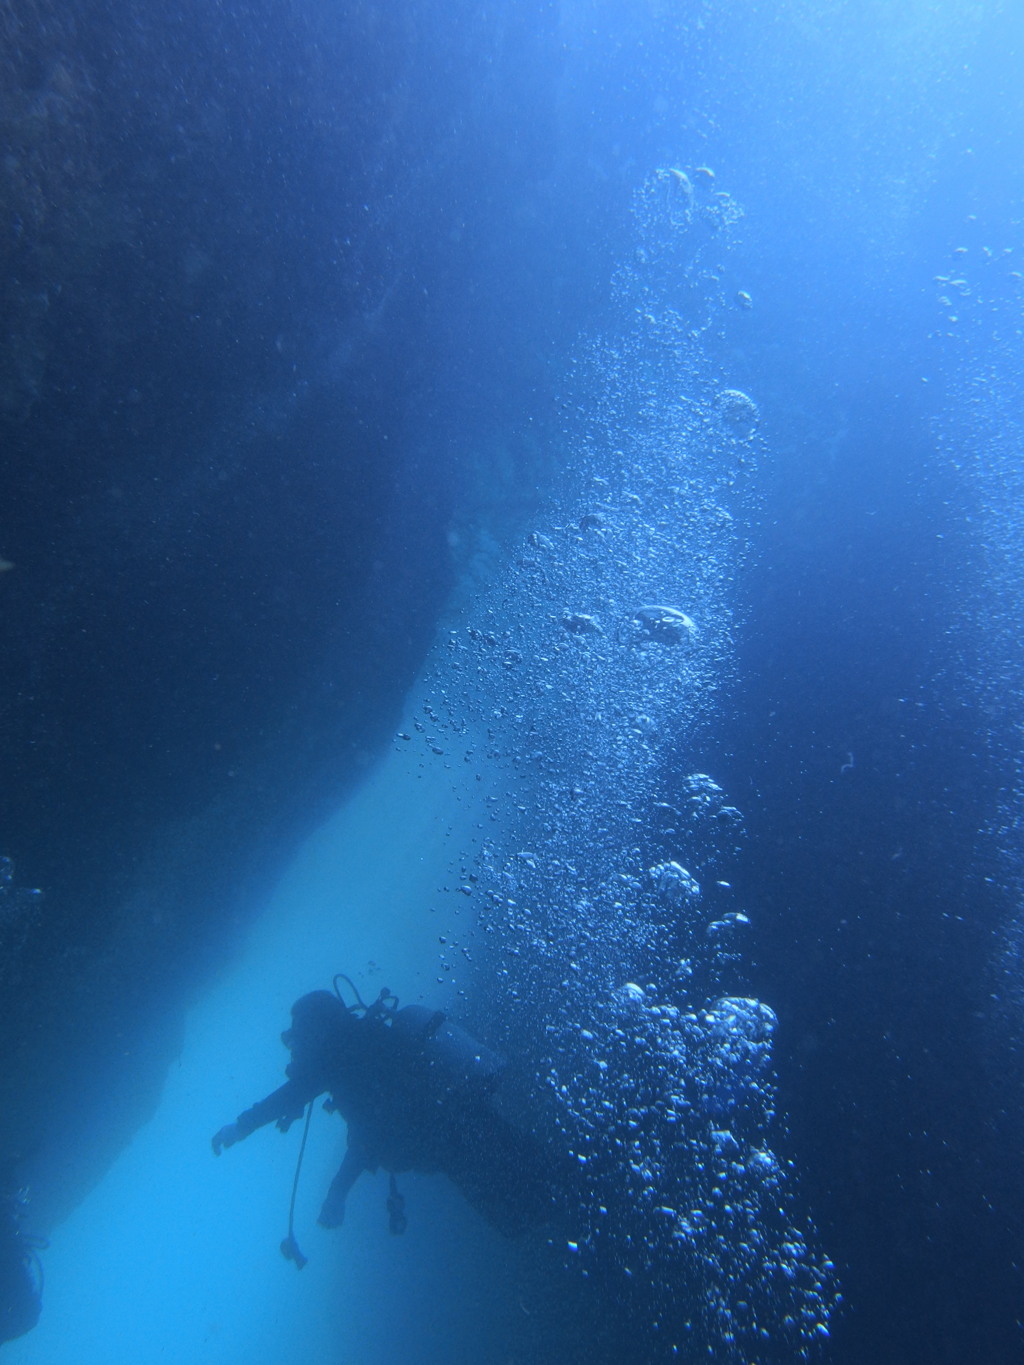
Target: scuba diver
x,y
417,1094
21,1279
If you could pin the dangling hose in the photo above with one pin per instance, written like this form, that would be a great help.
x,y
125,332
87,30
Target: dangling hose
x,y
360,1004
290,1247
386,1002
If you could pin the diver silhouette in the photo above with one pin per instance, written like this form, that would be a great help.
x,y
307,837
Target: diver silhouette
x,y
417,1094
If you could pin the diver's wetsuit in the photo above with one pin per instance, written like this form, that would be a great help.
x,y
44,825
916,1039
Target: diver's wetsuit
x,y
399,1114
407,1107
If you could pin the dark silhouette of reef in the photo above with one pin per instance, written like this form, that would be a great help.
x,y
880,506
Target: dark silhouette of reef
x,y
228,287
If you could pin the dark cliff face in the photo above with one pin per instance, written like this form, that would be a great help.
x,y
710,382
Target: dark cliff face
x,y
231,257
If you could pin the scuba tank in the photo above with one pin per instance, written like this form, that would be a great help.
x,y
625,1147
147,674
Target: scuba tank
x,y
456,1058
453,1055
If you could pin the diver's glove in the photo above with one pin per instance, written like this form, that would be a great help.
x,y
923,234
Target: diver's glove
x,y
227,1137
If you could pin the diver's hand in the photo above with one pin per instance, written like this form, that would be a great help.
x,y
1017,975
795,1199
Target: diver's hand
x,y
227,1137
332,1213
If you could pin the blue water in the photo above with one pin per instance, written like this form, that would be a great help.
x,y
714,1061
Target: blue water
x,y
518,504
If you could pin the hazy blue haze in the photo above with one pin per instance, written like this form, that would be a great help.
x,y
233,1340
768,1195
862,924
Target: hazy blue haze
x,y
367,369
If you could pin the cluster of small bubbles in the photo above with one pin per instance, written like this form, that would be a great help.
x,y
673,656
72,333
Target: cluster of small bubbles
x,y
980,431
684,223
606,933
739,1033
675,884
978,294
739,411
677,1107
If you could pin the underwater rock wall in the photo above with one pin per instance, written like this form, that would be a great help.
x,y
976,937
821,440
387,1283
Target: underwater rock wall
x,y
223,540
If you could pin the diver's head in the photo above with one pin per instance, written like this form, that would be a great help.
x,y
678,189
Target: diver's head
x,y
316,1018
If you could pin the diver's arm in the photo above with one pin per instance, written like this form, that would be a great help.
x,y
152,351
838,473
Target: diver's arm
x,y
332,1212
285,1105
